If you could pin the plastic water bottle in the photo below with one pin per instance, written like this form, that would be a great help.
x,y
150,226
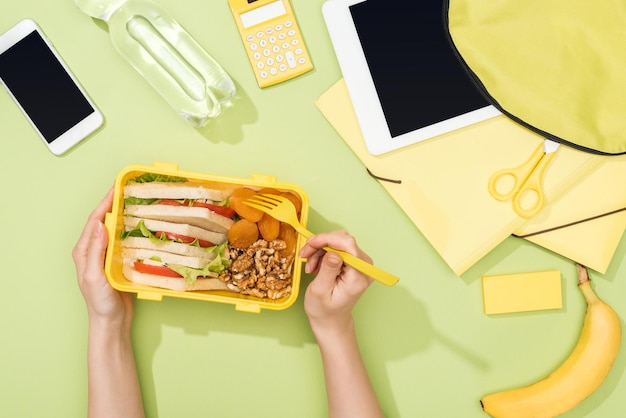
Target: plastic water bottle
x,y
191,81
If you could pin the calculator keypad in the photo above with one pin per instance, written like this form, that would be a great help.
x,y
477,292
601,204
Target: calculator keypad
x,y
277,52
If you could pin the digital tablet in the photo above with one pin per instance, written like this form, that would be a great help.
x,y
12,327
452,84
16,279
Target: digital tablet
x,y
404,80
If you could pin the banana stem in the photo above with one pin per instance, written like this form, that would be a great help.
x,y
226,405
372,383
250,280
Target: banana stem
x,y
583,274
584,284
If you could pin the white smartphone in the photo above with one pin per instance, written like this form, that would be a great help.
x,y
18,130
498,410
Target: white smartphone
x,y
42,85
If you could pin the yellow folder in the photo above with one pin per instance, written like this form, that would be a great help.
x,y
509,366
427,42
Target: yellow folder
x,y
585,224
443,181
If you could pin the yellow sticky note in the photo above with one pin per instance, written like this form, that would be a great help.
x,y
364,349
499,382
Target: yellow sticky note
x,y
522,292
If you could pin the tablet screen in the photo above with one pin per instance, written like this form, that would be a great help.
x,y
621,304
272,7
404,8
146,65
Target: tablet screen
x,y
417,76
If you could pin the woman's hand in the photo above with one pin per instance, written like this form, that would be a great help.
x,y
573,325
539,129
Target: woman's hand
x,y
330,297
328,303
113,385
104,304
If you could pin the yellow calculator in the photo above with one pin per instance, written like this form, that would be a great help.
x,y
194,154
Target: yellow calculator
x,y
272,39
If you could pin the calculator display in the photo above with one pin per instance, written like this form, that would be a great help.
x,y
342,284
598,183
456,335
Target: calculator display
x,y
263,13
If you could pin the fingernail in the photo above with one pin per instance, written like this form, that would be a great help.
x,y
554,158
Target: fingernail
x,y
99,229
334,259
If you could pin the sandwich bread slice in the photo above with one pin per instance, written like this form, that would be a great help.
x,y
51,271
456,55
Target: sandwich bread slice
x,y
173,283
192,215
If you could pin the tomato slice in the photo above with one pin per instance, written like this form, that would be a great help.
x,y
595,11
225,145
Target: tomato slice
x,y
220,210
184,238
156,270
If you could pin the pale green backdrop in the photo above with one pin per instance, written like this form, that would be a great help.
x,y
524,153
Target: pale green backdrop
x,y
430,350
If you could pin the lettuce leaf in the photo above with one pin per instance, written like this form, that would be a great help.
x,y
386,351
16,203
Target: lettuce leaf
x,y
139,231
190,275
149,177
139,201
216,266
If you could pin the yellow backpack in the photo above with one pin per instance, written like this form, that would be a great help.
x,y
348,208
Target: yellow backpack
x,y
557,67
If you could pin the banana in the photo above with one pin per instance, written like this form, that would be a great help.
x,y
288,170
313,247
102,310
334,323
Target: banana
x,y
579,375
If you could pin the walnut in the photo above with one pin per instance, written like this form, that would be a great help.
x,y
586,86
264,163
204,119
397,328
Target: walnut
x,y
260,270
279,244
233,287
242,263
245,281
277,294
254,292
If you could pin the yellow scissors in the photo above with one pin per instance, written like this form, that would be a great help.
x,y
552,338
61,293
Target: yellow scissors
x,y
527,181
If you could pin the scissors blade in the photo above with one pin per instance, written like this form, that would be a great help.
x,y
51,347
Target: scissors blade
x,y
550,146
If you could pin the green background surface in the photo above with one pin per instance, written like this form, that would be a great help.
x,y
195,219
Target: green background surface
x,y
430,350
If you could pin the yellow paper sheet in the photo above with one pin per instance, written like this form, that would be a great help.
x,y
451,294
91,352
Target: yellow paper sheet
x,y
444,180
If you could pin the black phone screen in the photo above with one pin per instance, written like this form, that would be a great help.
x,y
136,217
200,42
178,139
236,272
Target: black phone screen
x,y
46,92
418,78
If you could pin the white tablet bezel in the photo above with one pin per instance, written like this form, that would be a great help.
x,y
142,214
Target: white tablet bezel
x,y
362,91
77,132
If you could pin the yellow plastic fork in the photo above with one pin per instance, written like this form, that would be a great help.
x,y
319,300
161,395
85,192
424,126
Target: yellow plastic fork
x,y
283,210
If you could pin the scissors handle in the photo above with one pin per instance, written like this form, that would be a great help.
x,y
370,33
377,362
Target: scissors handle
x,y
533,185
519,175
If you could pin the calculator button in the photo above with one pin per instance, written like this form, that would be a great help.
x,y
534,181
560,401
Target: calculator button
x,y
281,36
254,47
266,52
282,67
298,51
291,32
291,61
250,38
280,58
276,49
288,24
285,45
273,71
279,28
259,34
263,43
257,56
301,60
269,31
260,65
272,39
295,42
263,74
270,61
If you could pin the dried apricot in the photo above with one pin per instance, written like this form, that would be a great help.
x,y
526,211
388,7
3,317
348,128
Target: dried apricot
x,y
236,203
295,200
243,234
290,236
269,227
269,190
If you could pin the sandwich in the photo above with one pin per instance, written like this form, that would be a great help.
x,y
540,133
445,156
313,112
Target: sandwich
x,y
176,232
